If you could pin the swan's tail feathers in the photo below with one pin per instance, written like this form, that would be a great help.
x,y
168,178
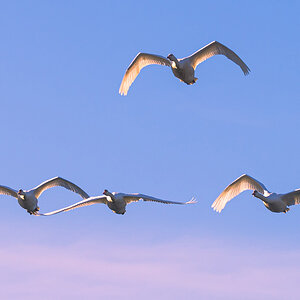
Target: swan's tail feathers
x,y
195,79
192,201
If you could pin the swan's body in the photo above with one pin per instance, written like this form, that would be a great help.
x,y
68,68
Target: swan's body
x,y
115,201
183,68
272,201
29,199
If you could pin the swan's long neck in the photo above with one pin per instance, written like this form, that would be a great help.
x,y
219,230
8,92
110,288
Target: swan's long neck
x,y
22,195
175,62
260,196
112,197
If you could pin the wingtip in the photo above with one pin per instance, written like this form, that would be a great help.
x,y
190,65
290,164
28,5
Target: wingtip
x,y
246,73
192,201
122,93
215,208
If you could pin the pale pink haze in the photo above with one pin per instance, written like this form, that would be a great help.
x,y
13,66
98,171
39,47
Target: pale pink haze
x,y
183,269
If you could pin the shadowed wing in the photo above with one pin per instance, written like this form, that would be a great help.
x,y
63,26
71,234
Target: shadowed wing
x,y
243,183
216,48
4,190
58,181
140,61
86,202
136,197
292,198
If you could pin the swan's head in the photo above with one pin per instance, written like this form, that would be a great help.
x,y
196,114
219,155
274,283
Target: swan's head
x,y
171,57
107,193
21,193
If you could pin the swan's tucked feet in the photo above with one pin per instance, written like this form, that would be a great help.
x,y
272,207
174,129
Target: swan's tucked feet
x,y
190,83
36,211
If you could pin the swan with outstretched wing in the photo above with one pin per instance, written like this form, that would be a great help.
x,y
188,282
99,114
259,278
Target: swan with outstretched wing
x,y
183,68
117,202
29,199
272,201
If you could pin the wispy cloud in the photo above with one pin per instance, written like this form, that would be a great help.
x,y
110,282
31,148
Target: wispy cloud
x,y
185,269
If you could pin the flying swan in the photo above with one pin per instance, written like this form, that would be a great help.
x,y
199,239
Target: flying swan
x,y
183,68
272,201
115,201
29,199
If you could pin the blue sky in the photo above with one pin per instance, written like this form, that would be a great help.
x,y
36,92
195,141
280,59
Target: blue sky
x,y
61,64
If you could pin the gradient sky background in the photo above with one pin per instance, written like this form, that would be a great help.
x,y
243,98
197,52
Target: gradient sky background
x,y
61,64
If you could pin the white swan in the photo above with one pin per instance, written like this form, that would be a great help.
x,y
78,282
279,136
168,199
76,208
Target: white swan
x,y
29,199
183,68
272,201
115,201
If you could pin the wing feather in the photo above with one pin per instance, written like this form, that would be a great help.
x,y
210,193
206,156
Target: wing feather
x,y
86,202
58,181
243,183
216,48
292,198
140,61
4,190
136,197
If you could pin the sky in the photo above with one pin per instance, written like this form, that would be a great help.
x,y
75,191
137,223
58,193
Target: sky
x,y
61,65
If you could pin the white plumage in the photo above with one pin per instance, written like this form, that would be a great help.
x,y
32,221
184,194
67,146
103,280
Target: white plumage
x,y
274,202
29,199
183,68
115,201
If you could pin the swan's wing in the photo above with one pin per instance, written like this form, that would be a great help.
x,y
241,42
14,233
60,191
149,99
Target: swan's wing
x,y
86,202
292,198
215,48
58,181
243,183
136,197
4,190
140,61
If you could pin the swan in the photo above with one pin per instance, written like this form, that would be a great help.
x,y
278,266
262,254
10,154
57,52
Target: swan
x,y
29,199
272,201
115,201
183,68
